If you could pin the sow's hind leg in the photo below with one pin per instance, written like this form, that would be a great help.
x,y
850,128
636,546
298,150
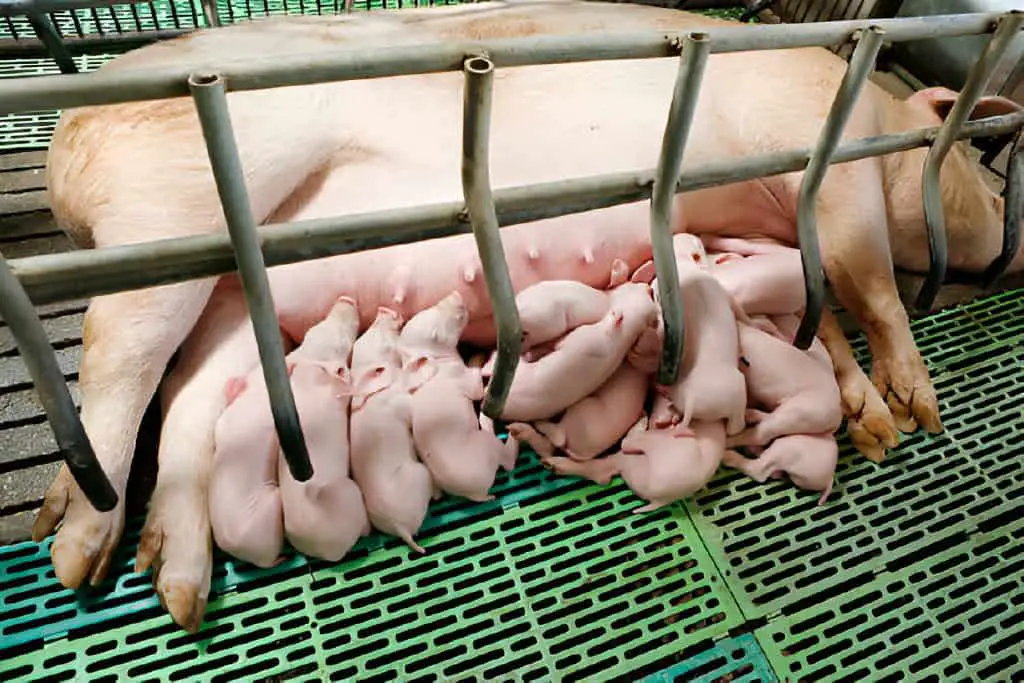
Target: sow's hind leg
x,y
177,538
128,339
853,233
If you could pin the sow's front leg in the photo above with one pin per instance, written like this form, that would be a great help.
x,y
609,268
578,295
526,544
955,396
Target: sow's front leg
x,y
177,539
128,339
857,259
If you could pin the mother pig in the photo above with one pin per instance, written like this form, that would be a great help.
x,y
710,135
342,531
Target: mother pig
x,y
139,171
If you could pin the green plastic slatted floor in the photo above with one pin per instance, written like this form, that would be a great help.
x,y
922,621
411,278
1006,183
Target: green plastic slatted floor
x,y
913,570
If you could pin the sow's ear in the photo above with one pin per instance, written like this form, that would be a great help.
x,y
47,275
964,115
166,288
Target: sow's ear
x,y
941,100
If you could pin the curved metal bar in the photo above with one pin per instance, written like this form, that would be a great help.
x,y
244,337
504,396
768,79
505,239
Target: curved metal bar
x,y
1006,30
1013,211
695,50
17,309
51,40
862,63
210,97
476,188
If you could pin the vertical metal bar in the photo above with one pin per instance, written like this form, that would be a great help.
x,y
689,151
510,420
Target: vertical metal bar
x,y
135,16
47,35
977,80
476,189
210,97
16,308
861,65
695,50
1013,211
210,12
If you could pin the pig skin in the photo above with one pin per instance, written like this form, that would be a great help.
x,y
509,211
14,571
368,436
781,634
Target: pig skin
x,y
660,466
396,486
307,153
808,459
582,360
449,437
761,278
796,388
596,423
549,309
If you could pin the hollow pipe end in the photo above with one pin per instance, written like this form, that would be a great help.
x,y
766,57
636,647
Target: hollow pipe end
x,y
478,65
202,79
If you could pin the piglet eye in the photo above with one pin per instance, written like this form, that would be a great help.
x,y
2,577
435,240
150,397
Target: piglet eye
x,y
696,258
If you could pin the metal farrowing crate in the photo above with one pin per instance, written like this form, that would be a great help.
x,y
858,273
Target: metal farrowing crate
x,y
908,574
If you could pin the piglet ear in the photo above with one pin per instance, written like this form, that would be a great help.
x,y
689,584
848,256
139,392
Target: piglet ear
x,y
645,273
418,372
374,380
234,388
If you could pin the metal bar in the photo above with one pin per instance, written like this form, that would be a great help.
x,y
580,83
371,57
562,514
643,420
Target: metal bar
x,y
1013,211
92,44
695,50
211,103
977,80
110,87
476,190
47,34
861,65
93,272
210,12
36,351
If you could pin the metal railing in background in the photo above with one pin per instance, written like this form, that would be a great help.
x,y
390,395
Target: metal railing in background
x,y
114,269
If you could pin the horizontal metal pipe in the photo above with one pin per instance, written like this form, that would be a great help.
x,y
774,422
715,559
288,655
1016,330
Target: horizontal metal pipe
x,y
91,44
109,87
977,81
92,272
212,106
13,8
476,189
35,349
860,67
695,51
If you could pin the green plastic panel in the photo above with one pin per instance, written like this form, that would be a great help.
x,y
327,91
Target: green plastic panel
x,y
574,584
731,659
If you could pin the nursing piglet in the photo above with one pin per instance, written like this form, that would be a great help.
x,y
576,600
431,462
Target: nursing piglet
x,y
798,390
660,466
709,386
550,308
808,459
593,425
325,515
396,486
244,499
461,456
582,360
762,278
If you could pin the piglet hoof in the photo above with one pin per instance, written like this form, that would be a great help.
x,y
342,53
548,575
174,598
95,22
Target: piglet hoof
x,y
86,541
650,507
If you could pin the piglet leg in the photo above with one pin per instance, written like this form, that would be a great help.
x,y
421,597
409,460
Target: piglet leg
x,y
757,469
599,471
522,431
800,415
